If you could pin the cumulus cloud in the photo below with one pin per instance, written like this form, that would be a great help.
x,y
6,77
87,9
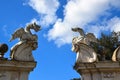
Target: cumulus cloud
x,y
81,13
115,3
47,10
110,25
61,33
91,15
33,20
114,24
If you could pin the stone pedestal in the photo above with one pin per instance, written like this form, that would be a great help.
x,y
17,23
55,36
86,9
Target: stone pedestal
x,y
105,70
15,70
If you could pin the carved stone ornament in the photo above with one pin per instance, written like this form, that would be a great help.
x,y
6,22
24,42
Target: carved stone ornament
x,y
116,54
3,75
22,51
108,75
80,45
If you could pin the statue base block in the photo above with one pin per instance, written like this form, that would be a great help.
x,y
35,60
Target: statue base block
x,y
15,70
104,70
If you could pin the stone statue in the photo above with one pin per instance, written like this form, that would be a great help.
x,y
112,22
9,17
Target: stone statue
x,y
22,51
81,45
116,54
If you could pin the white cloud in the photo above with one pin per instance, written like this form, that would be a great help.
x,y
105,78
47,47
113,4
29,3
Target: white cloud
x,y
114,24
80,13
33,20
111,25
115,3
47,10
76,13
61,33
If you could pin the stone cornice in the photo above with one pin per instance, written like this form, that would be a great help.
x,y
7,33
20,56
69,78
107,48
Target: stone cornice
x,y
16,65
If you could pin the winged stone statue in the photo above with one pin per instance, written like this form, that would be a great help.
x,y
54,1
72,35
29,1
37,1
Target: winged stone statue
x,y
81,45
22,51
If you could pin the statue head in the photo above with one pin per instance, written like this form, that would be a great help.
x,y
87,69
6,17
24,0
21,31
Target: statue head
x,y
36,27
33,26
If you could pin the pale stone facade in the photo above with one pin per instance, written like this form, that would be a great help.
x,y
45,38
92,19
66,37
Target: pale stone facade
x,y
15,70
104,70
21,61
88,64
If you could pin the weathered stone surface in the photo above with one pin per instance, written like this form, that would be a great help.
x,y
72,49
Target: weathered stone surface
x,y
116,54
22,51
81,45
15,70
85,53
105,70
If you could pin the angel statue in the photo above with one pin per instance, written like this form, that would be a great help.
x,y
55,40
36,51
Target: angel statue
x,y
22,51
81,45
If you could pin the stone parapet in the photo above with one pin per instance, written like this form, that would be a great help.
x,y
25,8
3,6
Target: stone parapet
x,y
104,70
15,70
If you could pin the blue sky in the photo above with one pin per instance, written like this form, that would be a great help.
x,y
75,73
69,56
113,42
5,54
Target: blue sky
x,y
54,57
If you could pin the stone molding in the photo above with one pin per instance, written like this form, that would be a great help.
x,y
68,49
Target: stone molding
x,y
15,70
104,70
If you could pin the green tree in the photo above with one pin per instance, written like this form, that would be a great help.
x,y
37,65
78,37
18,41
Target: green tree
x,y
106,45
76,79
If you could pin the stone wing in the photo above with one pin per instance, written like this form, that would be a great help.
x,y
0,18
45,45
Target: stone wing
x,y
91,37
17,34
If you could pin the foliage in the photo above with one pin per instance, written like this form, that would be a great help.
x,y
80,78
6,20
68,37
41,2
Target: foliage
x,y
106,45
76,79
